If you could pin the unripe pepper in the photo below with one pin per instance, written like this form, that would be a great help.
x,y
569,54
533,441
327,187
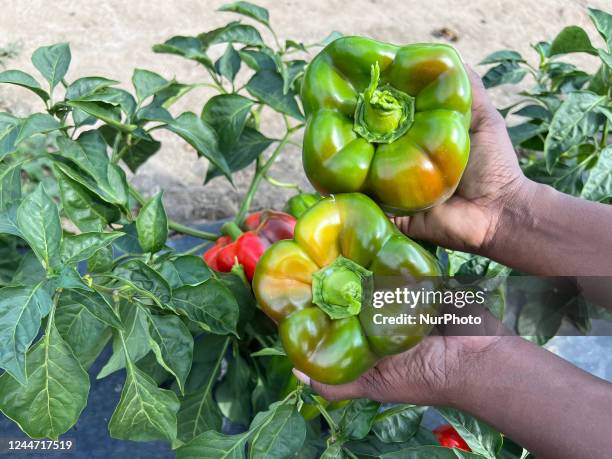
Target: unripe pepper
x,y
300,203
262,229
449,437
318,287
388,121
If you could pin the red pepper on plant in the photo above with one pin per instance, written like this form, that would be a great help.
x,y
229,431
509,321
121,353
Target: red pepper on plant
x,y
262,229
447,436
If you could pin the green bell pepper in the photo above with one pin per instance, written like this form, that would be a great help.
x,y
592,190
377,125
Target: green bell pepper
x,y
300,203
389,121
318,287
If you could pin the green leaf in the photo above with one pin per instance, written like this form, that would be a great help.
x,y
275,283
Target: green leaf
x,y
228,64
147,83
145,412
8,221
89,154
210,304
79,247
139,153
481,438
525,131
227,114
172,345
257,60
104,112
86,86
248,9
55,394
9,129
598,186
21,311
15,130
603,23
605,57
268,351
137,339
234,32
152,225
504,73
234,393
199,412
129,243
185,270
201,137
534,111
101,261
38,123
94,303
24,80
357,418
280,433
505,55
292,44
147,280
294,70
115,97
399,423
39,224
267,86
215,445
52,62
572,39
430,452
10,183
250,145
153,113
85,209
29,271
189,47
86,335
575,120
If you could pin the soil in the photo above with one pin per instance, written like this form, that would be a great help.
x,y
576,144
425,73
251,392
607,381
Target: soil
x,y
113,37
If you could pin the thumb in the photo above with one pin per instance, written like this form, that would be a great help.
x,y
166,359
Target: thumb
x,y
354,389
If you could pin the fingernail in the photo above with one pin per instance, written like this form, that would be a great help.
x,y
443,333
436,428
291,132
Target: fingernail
x,y
301,376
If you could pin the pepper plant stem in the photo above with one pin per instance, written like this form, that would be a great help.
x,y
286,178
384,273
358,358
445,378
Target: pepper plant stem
x,y
260,173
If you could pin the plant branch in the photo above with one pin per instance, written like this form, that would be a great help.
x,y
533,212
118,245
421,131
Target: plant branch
x,y
260,173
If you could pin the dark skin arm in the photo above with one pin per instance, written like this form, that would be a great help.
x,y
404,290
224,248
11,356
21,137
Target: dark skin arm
x,y
544,403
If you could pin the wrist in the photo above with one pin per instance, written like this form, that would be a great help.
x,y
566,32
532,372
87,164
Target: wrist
x,y
514,216
473,356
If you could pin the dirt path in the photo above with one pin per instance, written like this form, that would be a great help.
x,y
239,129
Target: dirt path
x,y
111,38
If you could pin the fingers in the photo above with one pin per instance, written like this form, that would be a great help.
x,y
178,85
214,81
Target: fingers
x,y
483,111
329,392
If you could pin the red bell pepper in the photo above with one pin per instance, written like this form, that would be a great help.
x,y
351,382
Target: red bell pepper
x,y
262,230
449,437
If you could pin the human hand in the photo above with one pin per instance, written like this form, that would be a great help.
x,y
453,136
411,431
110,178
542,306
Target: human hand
x,y
435,372
492,180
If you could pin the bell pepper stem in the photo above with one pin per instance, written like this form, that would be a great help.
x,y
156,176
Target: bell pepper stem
x,y
232,230
383,113
341,288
